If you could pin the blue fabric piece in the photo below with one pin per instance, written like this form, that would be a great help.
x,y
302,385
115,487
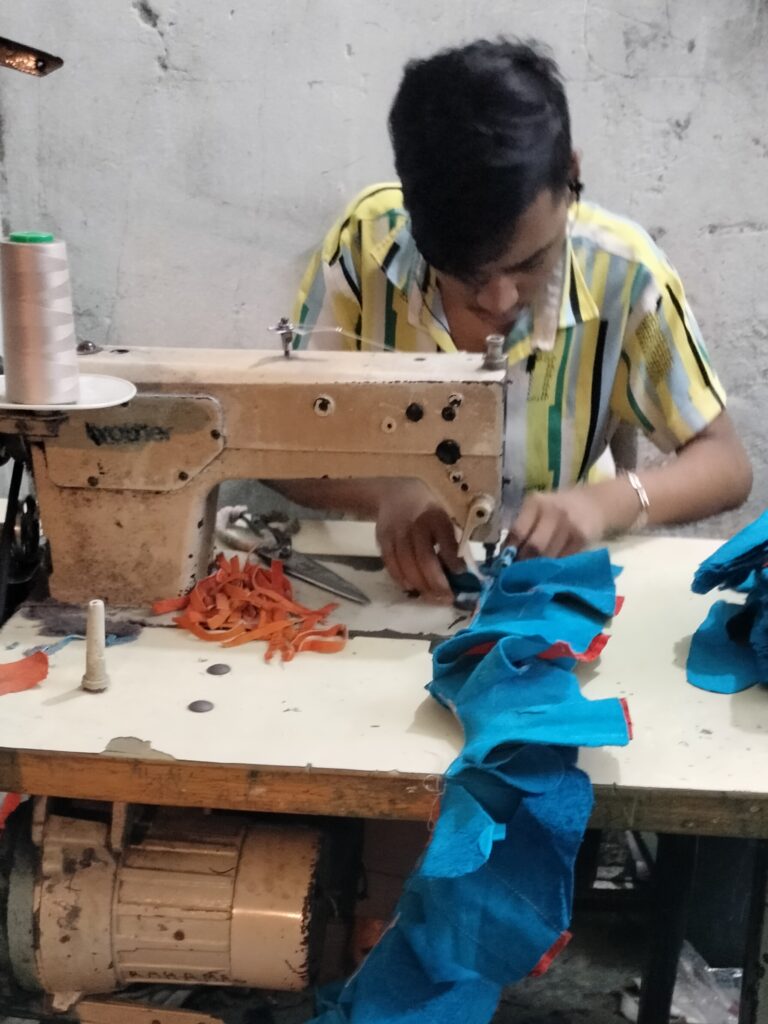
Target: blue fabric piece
x,y
522,768
492,893
535,702
393,987
747,585
536,623
111,640
729,651
587,578
500,920
463,836
757,603
733,561
715,662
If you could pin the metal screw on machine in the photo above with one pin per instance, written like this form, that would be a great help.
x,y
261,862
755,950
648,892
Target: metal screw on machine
x,y
451,409
324,405
88,348
95,679
495,358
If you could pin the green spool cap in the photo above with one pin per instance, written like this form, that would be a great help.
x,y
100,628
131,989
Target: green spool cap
x,y
31,237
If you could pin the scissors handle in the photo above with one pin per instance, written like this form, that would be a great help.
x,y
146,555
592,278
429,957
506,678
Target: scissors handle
x,y
276,528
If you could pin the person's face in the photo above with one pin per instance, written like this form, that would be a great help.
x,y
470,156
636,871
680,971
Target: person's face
x,y
490,301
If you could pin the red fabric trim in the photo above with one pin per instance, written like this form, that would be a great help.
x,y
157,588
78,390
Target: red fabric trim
x,y
7,807
554,950
562,649
627,716
480,649
619,604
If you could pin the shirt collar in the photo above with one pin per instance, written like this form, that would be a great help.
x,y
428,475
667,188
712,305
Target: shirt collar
x,y
398,257
564,302
578,304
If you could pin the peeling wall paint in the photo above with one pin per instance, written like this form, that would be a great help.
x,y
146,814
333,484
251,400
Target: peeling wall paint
x,y
192,154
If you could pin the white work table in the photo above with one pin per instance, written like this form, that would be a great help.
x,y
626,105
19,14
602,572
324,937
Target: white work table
x,y
354,733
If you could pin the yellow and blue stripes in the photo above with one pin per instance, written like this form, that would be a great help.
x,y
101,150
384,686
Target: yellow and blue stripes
x,y
621,344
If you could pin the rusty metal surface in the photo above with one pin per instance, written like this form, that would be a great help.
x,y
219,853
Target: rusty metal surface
x,y
194,900
73,906
135,487
271,914
156,443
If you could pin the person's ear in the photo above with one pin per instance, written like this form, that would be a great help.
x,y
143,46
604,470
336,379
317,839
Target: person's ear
x,y
575,184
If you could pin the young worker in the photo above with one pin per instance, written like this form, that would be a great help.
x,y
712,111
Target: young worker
x,y
487,233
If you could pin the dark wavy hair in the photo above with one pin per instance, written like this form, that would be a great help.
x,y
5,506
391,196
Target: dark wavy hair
x,y
477,133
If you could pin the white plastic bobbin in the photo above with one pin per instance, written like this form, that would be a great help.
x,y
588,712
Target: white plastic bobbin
x,y
95,679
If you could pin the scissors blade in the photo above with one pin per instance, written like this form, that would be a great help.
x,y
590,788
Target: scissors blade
x,y
309,570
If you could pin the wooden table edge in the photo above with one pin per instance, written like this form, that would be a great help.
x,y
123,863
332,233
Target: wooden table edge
x,y
340,793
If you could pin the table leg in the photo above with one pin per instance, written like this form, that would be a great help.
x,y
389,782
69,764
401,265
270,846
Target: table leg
x,y
754,988
673,881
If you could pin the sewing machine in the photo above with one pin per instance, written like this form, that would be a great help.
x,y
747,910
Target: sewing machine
x,y
127,500
127,495
114,874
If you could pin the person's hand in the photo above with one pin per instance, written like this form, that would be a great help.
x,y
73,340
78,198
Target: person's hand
x,y
558,523
411,529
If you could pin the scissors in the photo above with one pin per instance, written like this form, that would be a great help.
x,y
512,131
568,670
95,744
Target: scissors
x,y
274,533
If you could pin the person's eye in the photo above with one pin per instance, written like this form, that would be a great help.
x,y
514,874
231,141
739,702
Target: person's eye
x,y
476,281
530,265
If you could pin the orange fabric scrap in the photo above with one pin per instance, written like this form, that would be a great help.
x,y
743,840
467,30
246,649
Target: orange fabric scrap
x,y
16,676
237,604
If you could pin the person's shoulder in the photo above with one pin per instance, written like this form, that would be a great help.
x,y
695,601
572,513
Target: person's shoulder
x,y
620,237
379,200
382,202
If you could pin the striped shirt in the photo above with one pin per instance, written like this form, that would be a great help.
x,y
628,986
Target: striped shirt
x,y
612,334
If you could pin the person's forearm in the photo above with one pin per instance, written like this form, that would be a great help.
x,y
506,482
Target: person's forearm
x,y
709,475
358,497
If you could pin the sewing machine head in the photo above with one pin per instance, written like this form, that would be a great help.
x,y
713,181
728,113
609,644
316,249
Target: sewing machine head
x,y
128,495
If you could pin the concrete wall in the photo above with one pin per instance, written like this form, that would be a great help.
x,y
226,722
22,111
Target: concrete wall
x,y
192,153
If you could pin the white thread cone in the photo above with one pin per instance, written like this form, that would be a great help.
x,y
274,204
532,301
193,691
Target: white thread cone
x,y
39,343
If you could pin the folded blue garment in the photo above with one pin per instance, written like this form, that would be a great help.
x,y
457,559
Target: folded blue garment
x,y
587,578
500,919
463,835
757,604
717,663
521,767
392,987
731,564
546,622
534,701
729,651
491,896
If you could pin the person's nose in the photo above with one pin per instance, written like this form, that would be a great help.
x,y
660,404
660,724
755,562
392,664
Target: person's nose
x,y
498,296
